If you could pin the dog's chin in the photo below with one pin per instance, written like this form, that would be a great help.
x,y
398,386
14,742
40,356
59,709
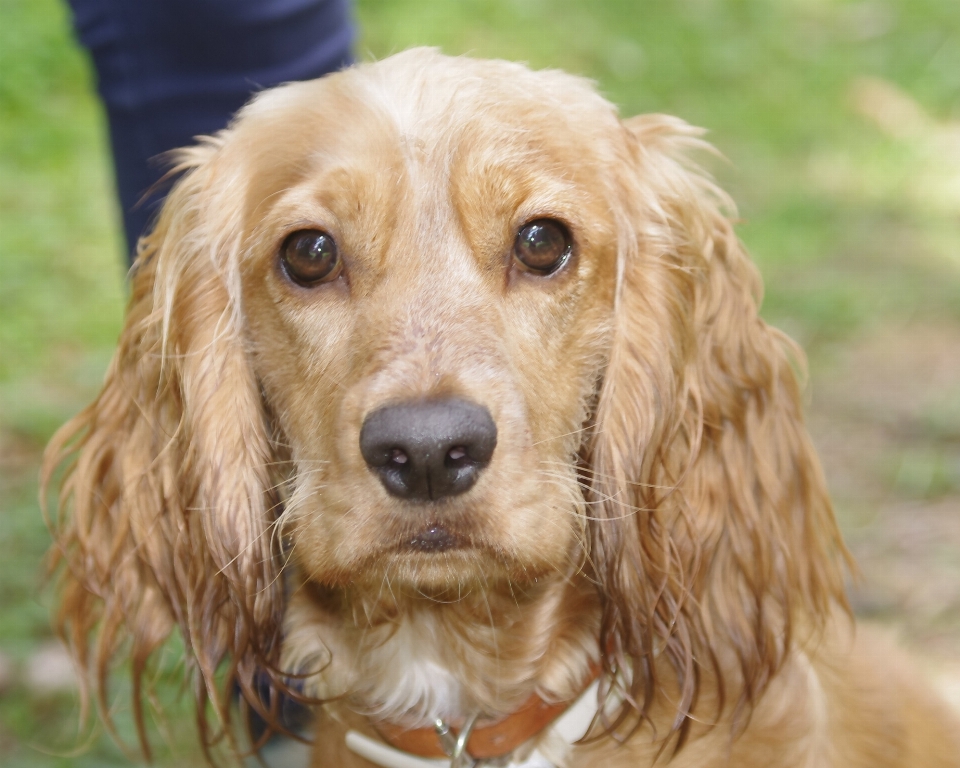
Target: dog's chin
x,y
434,560
430,548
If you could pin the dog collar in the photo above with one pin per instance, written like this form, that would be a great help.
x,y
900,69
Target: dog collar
x,y
475,742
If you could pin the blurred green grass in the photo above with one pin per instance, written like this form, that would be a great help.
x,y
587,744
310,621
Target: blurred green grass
x,y
854,222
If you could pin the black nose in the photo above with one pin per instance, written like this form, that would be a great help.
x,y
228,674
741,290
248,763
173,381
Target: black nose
x,y
428,449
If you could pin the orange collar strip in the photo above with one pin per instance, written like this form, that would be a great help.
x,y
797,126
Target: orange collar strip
x,y
488,740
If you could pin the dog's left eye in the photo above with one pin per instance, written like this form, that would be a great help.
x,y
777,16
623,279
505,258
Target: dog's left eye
x,y
310,257
542,246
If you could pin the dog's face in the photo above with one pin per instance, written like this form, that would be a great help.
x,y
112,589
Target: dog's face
x,y
444,323
442,270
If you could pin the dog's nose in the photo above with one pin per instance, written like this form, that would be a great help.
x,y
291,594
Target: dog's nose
x,y
428,449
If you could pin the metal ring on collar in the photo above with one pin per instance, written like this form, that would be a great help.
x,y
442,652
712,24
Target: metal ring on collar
x,y
456,746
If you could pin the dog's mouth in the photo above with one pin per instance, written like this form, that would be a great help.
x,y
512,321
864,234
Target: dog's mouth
x,y
434,537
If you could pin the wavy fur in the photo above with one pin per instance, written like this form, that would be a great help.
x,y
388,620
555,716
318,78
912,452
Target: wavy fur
x,y
170,492
717,524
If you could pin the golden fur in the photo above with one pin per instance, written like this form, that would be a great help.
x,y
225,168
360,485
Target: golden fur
x,y
653,492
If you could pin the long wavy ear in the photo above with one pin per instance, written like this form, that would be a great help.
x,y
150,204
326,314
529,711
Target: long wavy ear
x,y
715,528
164,512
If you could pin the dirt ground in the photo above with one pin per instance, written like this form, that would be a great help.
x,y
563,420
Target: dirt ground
x,y
885,415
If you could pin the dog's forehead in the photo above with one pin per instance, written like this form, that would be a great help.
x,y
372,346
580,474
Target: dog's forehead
x,y
425,93
425,103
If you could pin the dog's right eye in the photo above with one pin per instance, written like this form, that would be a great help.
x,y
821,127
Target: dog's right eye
x,y
310,257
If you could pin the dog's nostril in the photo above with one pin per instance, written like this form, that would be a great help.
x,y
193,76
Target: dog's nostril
x,y
428,449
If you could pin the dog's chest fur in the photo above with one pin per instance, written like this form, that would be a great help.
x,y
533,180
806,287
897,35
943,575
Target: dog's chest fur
x,y
443,660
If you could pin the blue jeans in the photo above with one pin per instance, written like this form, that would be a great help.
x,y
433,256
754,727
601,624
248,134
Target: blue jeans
x,y
170,70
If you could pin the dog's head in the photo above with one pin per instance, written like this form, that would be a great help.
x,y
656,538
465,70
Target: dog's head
x,y
436,321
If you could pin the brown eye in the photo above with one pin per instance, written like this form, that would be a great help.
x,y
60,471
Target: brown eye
x,y
310,257
542,246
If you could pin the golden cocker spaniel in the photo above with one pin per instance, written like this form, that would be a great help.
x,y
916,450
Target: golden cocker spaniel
x,y
443,400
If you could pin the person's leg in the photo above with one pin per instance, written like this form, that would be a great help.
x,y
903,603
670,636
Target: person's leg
x,y
170,70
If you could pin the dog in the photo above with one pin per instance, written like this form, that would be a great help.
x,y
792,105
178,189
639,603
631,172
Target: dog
x,y
443,403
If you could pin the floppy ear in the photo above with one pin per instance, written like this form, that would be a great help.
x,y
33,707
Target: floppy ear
x,y
165,510
715,528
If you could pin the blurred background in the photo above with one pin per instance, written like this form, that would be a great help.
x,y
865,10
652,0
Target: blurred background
x,y
841,124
